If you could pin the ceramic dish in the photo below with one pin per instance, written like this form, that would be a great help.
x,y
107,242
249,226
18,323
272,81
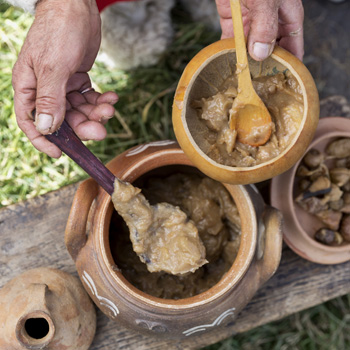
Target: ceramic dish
x,y
300,226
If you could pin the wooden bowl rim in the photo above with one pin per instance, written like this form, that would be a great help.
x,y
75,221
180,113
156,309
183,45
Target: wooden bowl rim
x,y
257,173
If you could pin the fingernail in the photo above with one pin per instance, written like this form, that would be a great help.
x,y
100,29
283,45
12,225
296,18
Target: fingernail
x,y
262,50
43,122
106,118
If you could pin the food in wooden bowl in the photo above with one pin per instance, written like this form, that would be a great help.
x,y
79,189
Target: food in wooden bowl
x,y
205,102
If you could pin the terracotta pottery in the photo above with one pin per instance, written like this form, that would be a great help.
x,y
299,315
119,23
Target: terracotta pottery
x,y
300,226
87,240
204,73
48,309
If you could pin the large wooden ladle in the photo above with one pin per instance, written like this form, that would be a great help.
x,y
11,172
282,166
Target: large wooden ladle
x,y
250,117
68,142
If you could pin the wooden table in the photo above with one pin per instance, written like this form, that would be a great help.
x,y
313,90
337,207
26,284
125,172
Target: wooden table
x,y
32,235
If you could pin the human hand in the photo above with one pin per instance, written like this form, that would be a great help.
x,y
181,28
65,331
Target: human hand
x,y
265,22
50,74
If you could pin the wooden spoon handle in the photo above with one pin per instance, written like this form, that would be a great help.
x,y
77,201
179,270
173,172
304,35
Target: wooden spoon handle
x,y
241,49
68,142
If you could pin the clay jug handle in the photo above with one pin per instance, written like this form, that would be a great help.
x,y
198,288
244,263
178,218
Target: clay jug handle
x,y
269,248
75,234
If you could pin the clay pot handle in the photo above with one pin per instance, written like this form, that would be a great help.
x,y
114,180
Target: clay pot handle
x,y
75,234
269,249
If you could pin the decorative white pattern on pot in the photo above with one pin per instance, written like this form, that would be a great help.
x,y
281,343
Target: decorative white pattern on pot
x,y
141,148
254,188
103,301
204,327
152,326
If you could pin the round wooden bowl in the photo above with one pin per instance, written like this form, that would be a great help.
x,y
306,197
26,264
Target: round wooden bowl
x,y
300,226
203,74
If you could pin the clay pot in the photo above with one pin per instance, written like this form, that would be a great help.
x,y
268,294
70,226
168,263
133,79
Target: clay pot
x,y
48,309
206,72
300,226
87,240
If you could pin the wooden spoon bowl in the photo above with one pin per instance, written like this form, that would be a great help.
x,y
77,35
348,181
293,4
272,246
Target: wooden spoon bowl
x,y
202,78
252,120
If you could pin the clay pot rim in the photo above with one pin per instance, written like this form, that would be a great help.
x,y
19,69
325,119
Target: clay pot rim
x,y
296,237
265,170
231,278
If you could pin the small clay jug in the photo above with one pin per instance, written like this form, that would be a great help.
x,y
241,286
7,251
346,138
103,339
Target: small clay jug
x,y
46,308
87,241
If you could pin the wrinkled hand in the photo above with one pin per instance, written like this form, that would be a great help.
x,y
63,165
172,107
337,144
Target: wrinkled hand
x,y
265,22
51,71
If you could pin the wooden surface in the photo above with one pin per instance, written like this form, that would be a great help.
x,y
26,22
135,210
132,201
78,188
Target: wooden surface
x,y
32,235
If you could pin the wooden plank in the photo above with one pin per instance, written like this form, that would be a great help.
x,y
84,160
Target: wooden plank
x,y
32,235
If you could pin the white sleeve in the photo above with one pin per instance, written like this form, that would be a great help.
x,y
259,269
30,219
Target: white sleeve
x,y
26,5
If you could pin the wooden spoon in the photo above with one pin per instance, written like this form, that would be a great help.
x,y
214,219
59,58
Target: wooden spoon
x,y
147,223
68,142
249,116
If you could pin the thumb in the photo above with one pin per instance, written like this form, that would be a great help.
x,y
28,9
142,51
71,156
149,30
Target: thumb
x,y
263,29
50,101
